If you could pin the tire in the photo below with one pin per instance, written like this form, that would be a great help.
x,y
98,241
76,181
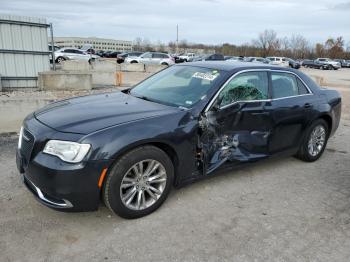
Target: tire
x,y
164,64
60,59
304,152
133,62
122,173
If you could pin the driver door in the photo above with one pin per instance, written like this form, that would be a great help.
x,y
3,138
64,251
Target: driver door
x,y
238,124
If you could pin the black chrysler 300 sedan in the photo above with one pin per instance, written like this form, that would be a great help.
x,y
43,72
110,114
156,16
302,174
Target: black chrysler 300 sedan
x,y
184,123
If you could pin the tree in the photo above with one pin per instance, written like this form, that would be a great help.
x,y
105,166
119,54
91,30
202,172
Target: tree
x,y
299,46
268,42
138,44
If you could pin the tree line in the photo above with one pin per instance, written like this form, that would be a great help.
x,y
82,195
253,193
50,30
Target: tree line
x,y
266,44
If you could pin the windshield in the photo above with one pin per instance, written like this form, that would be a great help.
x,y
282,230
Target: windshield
x,y
181,86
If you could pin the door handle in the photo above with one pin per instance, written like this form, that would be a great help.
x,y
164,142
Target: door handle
x,y
308,105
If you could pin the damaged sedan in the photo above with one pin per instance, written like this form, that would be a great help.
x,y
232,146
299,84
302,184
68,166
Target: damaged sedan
x,y
184,123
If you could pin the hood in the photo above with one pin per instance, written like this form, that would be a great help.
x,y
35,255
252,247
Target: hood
x,y
87,114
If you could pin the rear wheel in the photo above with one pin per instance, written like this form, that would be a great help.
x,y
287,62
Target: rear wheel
x,y
60,59
314,142
133,62
164,64
139,182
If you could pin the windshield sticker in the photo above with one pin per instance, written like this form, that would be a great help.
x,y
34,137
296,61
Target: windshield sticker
x,y
188,102
206,76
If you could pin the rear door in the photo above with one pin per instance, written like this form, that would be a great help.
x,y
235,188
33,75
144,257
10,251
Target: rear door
x,y
157,58
291,109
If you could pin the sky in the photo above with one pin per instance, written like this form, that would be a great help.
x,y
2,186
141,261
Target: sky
x,y
200,21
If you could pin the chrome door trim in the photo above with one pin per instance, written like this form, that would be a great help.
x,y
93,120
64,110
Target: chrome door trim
x,y
252,101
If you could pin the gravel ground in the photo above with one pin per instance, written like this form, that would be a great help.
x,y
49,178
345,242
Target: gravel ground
x,y
277,210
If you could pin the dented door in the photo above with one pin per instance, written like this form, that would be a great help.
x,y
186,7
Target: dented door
x,y
238,125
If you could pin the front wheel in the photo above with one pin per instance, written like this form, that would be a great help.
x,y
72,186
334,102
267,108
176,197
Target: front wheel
x,y
314,142
139,182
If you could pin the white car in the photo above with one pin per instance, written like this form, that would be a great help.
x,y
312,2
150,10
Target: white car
x,y
154,58
187,57
73,54
280,61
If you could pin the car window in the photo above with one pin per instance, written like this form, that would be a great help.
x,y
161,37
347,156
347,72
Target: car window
x,y
69,51
302,88
284,85
245,87
147,55
155,55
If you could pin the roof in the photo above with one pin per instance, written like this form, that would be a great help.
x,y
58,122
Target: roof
x,y
232,65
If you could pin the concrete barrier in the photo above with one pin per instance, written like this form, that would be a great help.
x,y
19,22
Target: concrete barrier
x,y
154,68
132,67
104,65
103,78
14,110
133,78
62,80
75,65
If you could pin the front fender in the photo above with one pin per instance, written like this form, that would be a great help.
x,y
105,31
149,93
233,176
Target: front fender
x,y
177,132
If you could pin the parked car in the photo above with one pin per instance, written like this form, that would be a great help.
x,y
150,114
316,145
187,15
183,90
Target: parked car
x,y
100,53
184,123
152,58
73,54
179,60
322,63
280,61
187,57
326,63
257,60
292,63
55,48
121,57
211,57
107,53
307,63
236,58
343,62
113,54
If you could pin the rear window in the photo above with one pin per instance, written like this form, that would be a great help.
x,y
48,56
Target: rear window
x,y
286,85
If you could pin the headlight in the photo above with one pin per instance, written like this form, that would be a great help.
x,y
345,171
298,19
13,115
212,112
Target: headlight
x,y
71,152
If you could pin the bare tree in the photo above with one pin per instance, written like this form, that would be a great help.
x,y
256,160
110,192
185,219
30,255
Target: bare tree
x,y
138,44
299,46
268,42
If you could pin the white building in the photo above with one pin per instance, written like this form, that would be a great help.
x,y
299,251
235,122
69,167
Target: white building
x,y
97,43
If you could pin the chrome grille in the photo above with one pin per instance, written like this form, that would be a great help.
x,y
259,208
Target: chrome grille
x,y
27,146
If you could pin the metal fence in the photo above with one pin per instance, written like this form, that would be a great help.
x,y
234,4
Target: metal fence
x,y
23,50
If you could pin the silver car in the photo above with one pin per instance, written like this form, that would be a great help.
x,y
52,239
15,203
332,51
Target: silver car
x,y
73,54
154,58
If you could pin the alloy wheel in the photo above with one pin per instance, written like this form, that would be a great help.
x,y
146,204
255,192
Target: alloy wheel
x,y
317,140
143,184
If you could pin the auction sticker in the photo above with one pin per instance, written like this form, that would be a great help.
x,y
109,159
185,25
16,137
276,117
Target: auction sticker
x,y
206,76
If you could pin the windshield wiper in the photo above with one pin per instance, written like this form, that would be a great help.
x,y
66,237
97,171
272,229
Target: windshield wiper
x,y
144,98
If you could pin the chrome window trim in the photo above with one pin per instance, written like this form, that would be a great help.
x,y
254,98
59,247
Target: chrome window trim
x,y
262,100
66,204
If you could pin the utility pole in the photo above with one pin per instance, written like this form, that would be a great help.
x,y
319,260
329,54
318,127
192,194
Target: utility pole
x,y
177,39
52,48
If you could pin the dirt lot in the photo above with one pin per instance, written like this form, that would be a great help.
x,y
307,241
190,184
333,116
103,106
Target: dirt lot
x,y
281,210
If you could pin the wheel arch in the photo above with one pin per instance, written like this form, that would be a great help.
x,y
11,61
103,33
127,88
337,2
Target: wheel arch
x,y
328,120
165,147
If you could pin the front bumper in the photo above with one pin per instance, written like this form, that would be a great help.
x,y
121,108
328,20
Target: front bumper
x,y
63,186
